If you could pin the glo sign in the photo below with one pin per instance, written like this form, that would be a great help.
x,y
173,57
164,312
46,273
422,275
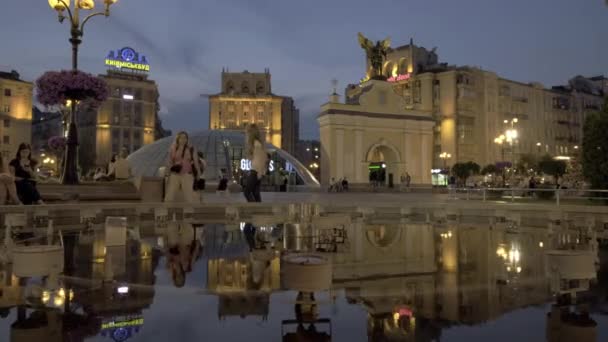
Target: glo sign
x,y
127,58
246,165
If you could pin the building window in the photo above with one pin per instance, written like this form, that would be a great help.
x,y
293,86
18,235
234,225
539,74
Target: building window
x,y
126,118
137,94
7,108
6,139
136,137
7,92
7,123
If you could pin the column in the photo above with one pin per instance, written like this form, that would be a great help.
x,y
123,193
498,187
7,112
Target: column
x,y
339,155
426,157
360,158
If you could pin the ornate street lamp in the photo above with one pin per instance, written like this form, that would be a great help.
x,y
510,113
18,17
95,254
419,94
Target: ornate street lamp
x,y
70,171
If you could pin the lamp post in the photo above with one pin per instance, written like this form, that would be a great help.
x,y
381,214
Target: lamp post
x,y
445,156
500,140
70,170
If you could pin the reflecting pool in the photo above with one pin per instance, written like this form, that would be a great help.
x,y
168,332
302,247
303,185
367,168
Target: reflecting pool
x,y
330,279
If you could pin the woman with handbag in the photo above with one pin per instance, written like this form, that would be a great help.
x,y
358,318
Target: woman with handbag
x,y
182,168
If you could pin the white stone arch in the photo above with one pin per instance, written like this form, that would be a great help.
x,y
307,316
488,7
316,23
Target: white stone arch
x,y
390,157
387,69
383,145
403,65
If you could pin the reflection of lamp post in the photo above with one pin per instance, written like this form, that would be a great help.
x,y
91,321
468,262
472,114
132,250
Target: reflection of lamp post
x,y
70,172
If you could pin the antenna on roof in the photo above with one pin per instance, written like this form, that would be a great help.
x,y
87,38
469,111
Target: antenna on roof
x,y
334,84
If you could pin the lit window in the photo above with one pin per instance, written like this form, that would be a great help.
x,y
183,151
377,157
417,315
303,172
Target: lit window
x,y
127,97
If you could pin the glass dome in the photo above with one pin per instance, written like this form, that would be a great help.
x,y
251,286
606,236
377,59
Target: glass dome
x,y
224,153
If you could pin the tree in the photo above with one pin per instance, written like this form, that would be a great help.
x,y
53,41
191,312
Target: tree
x,y
526,162
464,170
550,166
490,169
595,148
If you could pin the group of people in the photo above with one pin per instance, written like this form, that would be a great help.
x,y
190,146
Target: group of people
x,y
338,186
118,168
185,170
18,179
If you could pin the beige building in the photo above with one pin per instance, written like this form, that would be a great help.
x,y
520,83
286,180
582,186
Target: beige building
x,y
468,107
473,106
247,98
126,119
15,113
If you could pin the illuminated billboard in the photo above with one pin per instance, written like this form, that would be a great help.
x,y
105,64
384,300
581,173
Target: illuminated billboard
x,y
127,59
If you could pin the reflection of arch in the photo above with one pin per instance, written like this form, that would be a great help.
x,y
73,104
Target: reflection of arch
x,y
403,66
385,151
383,236
245,87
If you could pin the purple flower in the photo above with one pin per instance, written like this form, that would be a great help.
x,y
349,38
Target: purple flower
x,y
57,143
56,87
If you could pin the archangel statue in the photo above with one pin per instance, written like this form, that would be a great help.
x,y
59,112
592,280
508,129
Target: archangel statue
x,y
376,54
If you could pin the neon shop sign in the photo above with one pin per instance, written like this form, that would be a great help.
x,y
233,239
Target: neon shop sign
x,y
398,78
127,58
246,165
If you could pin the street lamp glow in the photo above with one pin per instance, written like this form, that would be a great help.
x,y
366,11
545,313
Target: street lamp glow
x,y
515,120
538,144
58,5
86,4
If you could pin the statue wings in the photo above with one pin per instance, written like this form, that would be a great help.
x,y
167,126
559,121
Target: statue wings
x,y
386,44
364,42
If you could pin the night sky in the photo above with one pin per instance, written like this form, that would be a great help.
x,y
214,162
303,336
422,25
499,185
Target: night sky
x,y
307,43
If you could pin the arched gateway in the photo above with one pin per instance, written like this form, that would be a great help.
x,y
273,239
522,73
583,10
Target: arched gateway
x,y
373,137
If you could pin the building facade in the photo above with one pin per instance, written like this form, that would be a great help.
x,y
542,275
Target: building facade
x,y
477,115
126,119
247,98
308,152
46,125
374,138
15,113
472,107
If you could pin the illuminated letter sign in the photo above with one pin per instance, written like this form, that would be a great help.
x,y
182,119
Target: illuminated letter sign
x,y
403,77
127,58
246,165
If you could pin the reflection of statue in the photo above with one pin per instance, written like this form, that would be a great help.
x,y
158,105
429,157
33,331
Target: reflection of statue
x,y
376,54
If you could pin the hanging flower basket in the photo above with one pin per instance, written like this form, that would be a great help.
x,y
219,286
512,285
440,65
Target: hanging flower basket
x,y
57,143
56,87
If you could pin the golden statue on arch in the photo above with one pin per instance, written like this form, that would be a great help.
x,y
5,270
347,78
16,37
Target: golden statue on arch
x,y
376,54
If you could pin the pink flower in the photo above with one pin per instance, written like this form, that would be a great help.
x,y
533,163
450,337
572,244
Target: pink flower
x,y
56,87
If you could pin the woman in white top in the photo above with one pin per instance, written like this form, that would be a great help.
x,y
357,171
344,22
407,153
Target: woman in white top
x,y
259,158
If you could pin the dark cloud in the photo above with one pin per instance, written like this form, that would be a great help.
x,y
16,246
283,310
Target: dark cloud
x,y
307,43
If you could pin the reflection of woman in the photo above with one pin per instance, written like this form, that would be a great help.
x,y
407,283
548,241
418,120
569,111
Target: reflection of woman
x,y
184,249
22,168
183,165
7,185
258,156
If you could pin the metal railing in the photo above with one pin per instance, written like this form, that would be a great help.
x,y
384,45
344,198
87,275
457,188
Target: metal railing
x,y
558,196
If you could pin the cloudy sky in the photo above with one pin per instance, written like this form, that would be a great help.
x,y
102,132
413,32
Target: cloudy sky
x,y
307,43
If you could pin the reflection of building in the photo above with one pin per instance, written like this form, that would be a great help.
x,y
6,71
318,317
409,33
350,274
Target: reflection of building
x,y
133,263
128,118
247,98
15,112
244,284
223,150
